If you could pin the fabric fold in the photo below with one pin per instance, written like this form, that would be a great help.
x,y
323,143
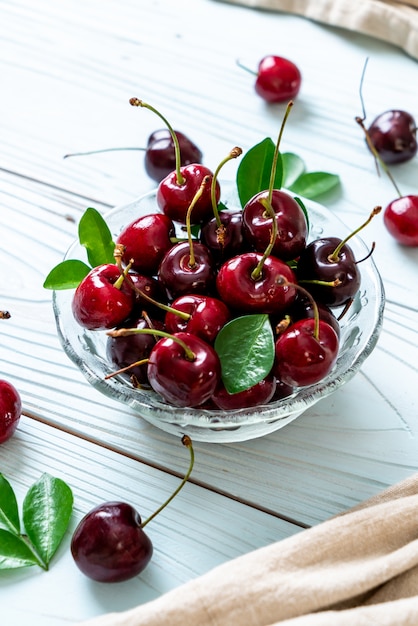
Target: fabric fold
x,y
357,568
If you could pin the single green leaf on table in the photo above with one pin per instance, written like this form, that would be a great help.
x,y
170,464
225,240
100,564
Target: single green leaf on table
x,y
14,551
254,170
313,184
9,513
245,347
47,509
95,236
66,275
293,168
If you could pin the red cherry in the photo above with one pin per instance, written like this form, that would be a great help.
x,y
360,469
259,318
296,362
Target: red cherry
x,y
109,544
174,196
10,410
146,240
184,378
401,219
103,299
160,154
278,79
258,394
181,274
207,316
242,291
394,136
303,359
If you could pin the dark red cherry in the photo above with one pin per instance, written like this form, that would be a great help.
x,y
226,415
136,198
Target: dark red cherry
x,y
207,316
303,308
123,351
278,79
103,299
394,135
146,240
180,273
174,197
184,378
401,219
243,292
160,156
318,263
109,544
227,240
292,227
147,287
10,410
260,393
302,358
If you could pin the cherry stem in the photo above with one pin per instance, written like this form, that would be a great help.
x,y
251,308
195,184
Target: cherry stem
x,y
124,273
244,67
281,280
368,255
186,441
256,273
235,152
126,332
196,197
76,154
276,150
136,102
334,257
125,369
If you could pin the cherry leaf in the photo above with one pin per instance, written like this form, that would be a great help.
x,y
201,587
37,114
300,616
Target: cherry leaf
x,y
14,551
66,275
254,170
47,510
293,168
245,347
313,184
9,513
95,236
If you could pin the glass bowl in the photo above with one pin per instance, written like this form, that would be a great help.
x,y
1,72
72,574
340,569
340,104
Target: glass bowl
x,y
360,329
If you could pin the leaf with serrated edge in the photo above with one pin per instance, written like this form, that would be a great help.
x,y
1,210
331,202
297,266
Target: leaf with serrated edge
x,y
66,275
47,509
14,552
254,170
95,236
9,513
313,184
245,347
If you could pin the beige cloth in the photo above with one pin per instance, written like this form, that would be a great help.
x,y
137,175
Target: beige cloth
x,y
393,22
356,569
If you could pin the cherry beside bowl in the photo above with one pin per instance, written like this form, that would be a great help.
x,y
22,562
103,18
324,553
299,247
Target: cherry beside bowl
x,y
360,329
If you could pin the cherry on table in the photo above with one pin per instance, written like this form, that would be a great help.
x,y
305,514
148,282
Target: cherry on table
x,y
401,220
394,136
278,79
10,410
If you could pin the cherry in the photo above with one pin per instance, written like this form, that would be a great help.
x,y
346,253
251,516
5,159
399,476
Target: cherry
x,y
182,272
102,299
184,369
224,239
248,283
305,356
303,308
109,544
292,227
260,393
401,220
393,134
129,354
145,241
278,79
207,316
160,155
10,410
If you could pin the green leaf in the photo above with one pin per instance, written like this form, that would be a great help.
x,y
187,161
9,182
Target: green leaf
x,y
47,509
293,168
66,275
254,170
304,209
14,551
245,347
95,236
313,184
9,513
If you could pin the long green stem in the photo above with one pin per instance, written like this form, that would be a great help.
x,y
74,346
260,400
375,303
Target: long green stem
x,y
335,255
235,152
256,273
136,102
186,441
197,196
276,151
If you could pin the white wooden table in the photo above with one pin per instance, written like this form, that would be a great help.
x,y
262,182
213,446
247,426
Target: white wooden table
x,y
67,71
